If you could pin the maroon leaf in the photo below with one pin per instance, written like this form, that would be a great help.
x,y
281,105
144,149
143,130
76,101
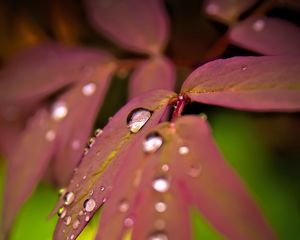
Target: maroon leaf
x,y
94,178
45,69
155,73
140,26
27,165
269,36
211,185
249,83
227,11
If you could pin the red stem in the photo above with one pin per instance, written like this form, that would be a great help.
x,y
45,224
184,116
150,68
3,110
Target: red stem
x,y
180,104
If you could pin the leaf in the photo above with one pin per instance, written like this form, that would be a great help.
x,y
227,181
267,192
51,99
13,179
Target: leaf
x,y
227,11
212,186
267,36
47,68
27,165
248,83
155,73
95,175
140,26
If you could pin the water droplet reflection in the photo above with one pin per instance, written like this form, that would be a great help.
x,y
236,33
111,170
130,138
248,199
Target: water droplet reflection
x,y
137,119
59,111
152,143
161,184
69,198
88,89
89,205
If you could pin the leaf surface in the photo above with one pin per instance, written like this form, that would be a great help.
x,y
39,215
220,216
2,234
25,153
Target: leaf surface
x,y
268,36
95,175
248,83
155,73
140,26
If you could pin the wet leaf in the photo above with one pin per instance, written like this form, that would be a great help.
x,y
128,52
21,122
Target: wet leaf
x,y
155,73
140,26
267,36
248,83
94,178
227,11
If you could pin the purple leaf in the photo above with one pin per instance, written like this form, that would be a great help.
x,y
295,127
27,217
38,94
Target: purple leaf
x,y
269,36
248,83
227,11
28,164
211,185
140,26
45,69
155,73
94,178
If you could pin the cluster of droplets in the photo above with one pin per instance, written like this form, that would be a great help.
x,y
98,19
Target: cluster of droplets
x,y
92,141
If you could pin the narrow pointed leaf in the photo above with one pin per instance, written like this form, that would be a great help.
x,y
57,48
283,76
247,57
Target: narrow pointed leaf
x,y
212,186
95,175
155,73
27,165
40,71
140,26
267,36
227,11
249,83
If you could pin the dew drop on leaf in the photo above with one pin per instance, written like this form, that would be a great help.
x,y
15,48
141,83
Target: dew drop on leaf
x,y
123,206
62,212
102,189
160,184
61,191
72,237
160,207
89,205
59,111
50,135
76,224
152,143
98,132
69,198
137,119
259,25
67,220
165,167
183,150
87,218
88,89
158,236
128,222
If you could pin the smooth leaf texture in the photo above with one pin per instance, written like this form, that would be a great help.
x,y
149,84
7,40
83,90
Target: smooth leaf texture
x,y
227,11
248,83
49,138
268,36
155,73
95,175
140,26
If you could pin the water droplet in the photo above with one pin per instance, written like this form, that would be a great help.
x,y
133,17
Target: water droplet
x,y
59,111
76,144
160,184
203,116
85,151
76,224
165,167
212,8
84,177
158,236
91,192
104,200
137,119
152,142
183,150
128,222
160,207
69,198
88,89
102,188
123,206
89,205
67,220
259,25
98,132
62,212
50,135
91,142
244,67
87,218
61,191
194,171
72,237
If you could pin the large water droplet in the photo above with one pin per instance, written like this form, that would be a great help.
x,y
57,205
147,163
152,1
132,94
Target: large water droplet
x,y
67,220
76,224
123,206
89,205
59,111
152,142
160,207
137,119
160,184
50,135
88,89
158,236
183,150
62,212
69,198
258,25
